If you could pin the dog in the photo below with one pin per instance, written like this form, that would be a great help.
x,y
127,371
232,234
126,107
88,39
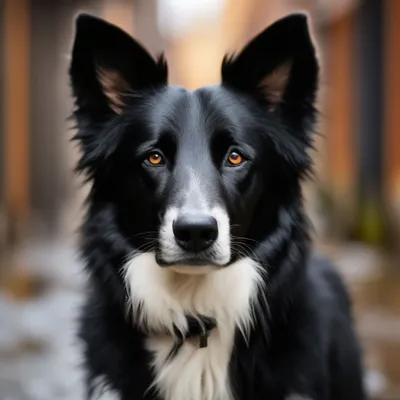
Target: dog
x,y
202,283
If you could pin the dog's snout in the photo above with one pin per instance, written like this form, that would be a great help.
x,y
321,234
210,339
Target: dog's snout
x,y
195,232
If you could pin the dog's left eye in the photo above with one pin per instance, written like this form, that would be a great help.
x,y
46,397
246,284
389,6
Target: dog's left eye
x,y
154,159
234,159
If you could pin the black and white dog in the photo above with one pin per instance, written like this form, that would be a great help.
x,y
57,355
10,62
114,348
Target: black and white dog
x,y
202,285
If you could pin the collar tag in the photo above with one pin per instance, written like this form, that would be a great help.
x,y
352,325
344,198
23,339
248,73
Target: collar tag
x,y
203,341
199,326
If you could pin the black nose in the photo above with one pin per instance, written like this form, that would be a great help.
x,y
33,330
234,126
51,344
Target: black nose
x,y
195,232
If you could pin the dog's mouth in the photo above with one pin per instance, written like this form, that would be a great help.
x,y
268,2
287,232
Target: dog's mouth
x,y
189,261
191,265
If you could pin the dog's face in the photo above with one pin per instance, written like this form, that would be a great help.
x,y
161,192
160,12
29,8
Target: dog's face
x,y
197,176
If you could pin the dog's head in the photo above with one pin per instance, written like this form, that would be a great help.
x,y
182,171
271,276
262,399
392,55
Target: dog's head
x,y
197,176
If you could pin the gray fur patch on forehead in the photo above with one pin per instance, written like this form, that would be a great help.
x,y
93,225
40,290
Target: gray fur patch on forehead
x,y
195,196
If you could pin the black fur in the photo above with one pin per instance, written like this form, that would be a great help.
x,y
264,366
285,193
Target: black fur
x,y
303,341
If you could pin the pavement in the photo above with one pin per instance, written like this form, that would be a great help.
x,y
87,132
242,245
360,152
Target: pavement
x,y
39,353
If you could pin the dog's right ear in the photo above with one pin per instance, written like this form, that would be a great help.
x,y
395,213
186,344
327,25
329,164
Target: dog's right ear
x,y
108,64
280,64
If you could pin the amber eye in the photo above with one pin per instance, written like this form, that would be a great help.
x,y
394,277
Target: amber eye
x,y
155,159
235,159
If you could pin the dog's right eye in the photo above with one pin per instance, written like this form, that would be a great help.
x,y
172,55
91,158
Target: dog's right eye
x,y
154,159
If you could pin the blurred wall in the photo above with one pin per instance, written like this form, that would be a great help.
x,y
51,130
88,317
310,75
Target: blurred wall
x,y
392,106
15,121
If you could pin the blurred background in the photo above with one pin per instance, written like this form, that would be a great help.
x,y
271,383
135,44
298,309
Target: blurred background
x,y
354,200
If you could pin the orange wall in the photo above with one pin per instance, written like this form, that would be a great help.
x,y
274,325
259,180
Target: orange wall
x,y
392,109
120,13
198,54
16,104
340,105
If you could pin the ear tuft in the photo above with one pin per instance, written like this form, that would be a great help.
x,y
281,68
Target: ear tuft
x,y
114,87
274,84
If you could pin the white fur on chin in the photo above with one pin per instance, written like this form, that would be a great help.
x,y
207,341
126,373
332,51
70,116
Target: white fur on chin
x,y
160,298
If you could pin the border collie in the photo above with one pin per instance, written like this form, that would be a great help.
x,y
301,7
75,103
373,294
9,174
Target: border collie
x,y
202,284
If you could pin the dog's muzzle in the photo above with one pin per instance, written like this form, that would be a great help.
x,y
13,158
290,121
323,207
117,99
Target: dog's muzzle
x,y
194,238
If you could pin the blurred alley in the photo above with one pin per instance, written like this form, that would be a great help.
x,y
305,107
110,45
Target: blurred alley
x,y
354,200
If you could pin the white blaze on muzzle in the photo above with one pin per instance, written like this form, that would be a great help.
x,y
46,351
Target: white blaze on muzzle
x,y
194,205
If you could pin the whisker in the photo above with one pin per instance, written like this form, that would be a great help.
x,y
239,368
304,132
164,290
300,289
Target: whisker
x,y
248,239
144,233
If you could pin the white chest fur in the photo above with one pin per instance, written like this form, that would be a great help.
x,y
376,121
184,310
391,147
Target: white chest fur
x,y
160,298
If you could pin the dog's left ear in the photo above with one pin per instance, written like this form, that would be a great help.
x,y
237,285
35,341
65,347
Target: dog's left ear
x,y
280,64
107,65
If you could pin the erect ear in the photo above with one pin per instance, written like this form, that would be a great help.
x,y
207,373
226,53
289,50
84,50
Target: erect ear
x,y
107,64
279,63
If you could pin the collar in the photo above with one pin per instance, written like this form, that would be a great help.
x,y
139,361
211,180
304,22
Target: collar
x,y
199,326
